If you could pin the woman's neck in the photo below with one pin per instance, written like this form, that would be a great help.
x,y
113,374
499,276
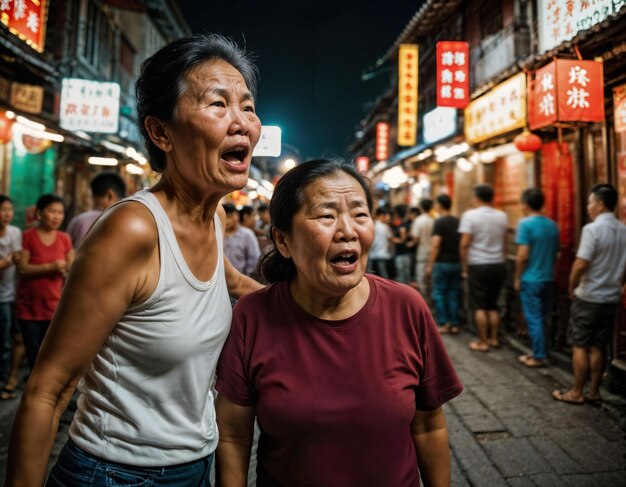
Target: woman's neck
x,y
328,307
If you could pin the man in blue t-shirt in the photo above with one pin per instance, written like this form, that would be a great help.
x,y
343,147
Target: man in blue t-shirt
x,y
538,245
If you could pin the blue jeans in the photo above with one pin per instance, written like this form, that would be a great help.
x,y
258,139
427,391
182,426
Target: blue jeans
x,y
447,292
535,298
77,468
403,268
6,319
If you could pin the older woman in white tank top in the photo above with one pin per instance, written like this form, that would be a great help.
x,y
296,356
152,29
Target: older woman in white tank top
x,y
145,310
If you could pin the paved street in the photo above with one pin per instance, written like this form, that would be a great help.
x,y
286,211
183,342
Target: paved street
x,y
505,429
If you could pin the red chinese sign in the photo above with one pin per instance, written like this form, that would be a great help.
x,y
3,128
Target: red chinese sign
x,y
26,19
407,94
362,164
382,141
567,91
452,74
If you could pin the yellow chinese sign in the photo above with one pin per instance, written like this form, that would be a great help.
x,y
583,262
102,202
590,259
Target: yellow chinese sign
x,y
407,94
501,110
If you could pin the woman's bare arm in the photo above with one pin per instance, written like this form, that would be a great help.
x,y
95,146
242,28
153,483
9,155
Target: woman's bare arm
x,y
117,265
236,426
430,435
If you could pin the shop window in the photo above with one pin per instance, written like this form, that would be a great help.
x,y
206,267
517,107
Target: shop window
x,y
88,32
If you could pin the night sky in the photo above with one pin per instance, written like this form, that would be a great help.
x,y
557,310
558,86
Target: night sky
x,y
310,55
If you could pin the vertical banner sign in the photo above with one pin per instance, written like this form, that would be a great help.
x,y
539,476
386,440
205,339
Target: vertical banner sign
x,y
452,74
382,141
542,99
362,164
619,102
580,90
407,94
26,19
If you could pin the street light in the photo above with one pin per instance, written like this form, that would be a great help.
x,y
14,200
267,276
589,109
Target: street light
x,y
289,164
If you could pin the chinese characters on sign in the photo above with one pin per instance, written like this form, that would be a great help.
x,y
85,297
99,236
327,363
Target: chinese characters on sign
x,y
567,91
497,112
452,74
407,94
439,124
382,141
27,98
26,19
561,20
91,106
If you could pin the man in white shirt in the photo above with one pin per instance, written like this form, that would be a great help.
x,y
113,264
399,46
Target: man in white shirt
x,y
421,233
596,285
380,252
483,232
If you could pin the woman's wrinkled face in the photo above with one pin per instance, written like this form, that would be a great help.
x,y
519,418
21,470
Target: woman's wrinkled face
x,y
331,236
215,128
51,217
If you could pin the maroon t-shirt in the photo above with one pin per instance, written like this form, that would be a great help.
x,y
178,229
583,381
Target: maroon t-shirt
x,y
335,399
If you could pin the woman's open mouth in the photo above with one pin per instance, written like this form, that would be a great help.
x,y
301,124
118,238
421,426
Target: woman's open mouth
x,y
345,260
236,157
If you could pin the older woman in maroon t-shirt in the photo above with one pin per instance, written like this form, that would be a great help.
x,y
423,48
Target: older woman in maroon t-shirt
x,y
346,373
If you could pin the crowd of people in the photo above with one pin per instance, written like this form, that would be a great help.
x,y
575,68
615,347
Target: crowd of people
x,y
332,361
474,248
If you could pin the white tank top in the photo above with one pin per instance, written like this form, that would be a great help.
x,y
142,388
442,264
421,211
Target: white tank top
x,y
146,398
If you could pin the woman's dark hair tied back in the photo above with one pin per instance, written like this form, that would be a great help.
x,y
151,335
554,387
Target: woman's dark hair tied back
x,y
288,199
162,79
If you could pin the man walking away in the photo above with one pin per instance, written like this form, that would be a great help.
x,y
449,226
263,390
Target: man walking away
x,y
241,246
445,265
596,284
107,188
380,252
538,246
402,259
421,233
483,243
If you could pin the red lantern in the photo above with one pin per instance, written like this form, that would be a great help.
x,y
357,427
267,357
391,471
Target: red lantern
x,y
5,128
527,142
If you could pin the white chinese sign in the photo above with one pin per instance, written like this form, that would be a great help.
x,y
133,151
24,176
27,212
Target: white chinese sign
x,y
439,124
269,144
561,20
497,112
90,106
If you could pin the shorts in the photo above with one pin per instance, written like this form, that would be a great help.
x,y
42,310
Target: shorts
x,y
591,324
485,282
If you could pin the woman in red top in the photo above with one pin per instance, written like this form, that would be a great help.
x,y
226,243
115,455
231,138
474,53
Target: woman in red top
x,y
47,255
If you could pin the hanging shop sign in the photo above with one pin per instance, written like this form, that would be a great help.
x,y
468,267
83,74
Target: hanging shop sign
x,y
26,19
561,20
270,142
382,141
567,91
452,74
501,110
439,124
407,94
27,98
619,103
362,164
90,106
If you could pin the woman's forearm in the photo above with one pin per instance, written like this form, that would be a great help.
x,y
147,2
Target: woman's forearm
x,y
34,431
232,460
433,458
33,270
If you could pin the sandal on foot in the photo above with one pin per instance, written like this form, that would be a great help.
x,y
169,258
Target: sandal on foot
x,y
494,343
444,329
593,401
531,361
6,394
454,330
523,358
566,396
478,347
